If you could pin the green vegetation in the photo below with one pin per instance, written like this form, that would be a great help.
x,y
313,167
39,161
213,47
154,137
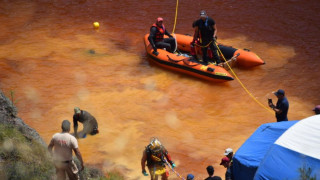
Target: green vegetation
x,y
10,108
21,158
93,173
114,176
305,173
24,157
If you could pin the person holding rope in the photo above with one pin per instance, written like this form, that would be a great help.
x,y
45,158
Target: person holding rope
x,y
206,32
157,40
156,157
282,106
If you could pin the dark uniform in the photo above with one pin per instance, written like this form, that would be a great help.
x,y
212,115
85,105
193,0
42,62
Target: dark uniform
x,y
90,124
283,105
206,32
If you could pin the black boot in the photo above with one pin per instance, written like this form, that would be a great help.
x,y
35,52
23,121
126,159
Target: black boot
x,y
216,57
195,57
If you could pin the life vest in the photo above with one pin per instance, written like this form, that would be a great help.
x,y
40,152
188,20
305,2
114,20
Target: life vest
x,y
160,32
156,158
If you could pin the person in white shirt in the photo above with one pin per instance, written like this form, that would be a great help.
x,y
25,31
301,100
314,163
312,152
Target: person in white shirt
x,y
61,147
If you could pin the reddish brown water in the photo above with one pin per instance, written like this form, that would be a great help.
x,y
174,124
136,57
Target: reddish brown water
x,y
45,59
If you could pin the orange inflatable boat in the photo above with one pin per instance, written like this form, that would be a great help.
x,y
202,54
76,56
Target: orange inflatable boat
x,y
245,59
185,64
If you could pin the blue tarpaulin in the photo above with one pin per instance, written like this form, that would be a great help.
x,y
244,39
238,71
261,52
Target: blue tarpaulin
x,y
248,157
295,154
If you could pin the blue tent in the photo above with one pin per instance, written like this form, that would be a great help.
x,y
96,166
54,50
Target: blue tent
x,y
295,154
251,153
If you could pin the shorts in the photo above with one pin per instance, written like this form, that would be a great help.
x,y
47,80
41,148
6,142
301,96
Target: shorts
x,y
66,167
157,170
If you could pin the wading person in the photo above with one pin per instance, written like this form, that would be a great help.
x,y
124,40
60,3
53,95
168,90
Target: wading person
x,y
282,106
90,124
206,32
156,37
156,156
63,144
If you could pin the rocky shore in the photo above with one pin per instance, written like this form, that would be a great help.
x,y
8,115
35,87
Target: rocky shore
x,y
8,116
24,154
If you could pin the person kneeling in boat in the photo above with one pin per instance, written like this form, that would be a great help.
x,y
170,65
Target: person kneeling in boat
x,y
206,33
156,156
157,40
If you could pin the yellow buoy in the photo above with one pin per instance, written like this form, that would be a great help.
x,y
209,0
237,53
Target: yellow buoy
x,y
96,25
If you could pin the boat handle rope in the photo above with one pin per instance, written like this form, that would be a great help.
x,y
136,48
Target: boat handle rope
x,y
176,61
173,170
242,85
185,60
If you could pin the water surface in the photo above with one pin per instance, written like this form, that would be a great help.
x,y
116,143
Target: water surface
x,y
53,60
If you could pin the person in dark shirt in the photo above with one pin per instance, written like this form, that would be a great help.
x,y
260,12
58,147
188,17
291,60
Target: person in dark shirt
x,y
316,109
157,40
90,124
282,106
225,162
210,171
206,32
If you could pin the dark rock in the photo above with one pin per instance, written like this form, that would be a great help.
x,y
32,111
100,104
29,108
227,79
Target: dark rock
x,y
8,116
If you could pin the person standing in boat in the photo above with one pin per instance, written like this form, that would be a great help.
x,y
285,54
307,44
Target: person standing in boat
x,y
282,106
156,37
206,32
156,157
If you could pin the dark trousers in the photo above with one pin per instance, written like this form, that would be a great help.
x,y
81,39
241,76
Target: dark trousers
x,y
168,43
281,119
214,50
